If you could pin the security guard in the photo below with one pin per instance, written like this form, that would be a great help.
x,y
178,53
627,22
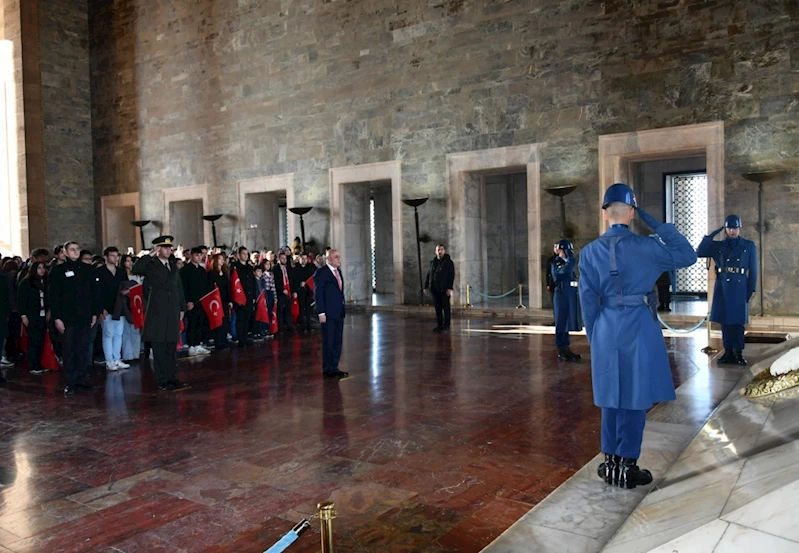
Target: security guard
x,y
567,301
165,309
629,365
736,281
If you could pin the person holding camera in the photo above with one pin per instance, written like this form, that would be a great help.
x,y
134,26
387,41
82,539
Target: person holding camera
x,y
566,299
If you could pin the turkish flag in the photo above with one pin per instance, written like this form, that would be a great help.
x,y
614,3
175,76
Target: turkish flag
x,y
273,326
23,338
49,361
208,259
261,314
214,310
236,291
295,310
136,299
180,339
309,283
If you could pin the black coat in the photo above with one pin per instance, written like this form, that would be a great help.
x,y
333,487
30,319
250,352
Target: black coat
x,y
195,282
223,283
277,271
108,286
7,300
440,275
166,301
247,278
29,300
73,293
301,274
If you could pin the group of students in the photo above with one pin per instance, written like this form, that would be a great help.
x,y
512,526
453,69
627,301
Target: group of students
x,y
71,296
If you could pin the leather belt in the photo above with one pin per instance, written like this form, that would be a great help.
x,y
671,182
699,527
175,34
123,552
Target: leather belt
x,y
736,270
629,301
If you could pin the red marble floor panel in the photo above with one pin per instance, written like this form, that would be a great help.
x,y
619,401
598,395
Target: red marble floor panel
x,y
436,443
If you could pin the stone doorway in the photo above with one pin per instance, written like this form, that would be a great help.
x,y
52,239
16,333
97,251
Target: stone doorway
x,y
117,212
184,208
262,212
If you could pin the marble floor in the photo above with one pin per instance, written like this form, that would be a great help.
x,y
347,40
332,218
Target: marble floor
x,y
437,443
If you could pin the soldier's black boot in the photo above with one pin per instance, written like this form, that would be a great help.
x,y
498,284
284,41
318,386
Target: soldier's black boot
x,y
728,358
609,470
739,357
631,476
566,354
573,356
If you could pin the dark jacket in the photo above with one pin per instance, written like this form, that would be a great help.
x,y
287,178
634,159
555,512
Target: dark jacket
x,y
108,285
166,301
29,300
440,275
327,294
247,278
223,283
277,271
73,293
122,303
301,274
195,282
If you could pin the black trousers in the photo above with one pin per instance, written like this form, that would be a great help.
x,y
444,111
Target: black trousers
x,y
305,298
164,355
283,312
332,336
220,333
37,326
194,325
664,294
243,316
76,349
441,300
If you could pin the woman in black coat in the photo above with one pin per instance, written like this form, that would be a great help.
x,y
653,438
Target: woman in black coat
x,y
219,277
33,306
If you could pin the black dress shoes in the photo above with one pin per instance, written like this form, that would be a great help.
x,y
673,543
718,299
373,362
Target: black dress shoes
x,y
739,357
438,329
727,359
69,390
337,374
85,386
163,387
177,385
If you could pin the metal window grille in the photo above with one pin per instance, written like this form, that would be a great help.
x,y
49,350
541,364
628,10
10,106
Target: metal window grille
x,y
372,241
688,195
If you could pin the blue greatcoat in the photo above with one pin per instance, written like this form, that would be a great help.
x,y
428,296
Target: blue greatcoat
x,y
629,365
736,278
567,300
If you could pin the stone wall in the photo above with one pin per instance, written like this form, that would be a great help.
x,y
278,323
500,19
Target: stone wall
x,y
216,91
66,109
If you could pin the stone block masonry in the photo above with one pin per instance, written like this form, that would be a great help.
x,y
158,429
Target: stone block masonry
x,y
218,91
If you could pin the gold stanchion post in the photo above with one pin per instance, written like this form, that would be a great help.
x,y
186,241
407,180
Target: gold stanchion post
x,y
521,303
468,296
709,349
327,512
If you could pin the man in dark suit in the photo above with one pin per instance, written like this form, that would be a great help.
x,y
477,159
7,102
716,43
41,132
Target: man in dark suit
x,y
74,305
195,286
165,309
286,289
329,295
247,279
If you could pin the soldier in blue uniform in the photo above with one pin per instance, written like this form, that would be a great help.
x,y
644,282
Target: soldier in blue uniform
x,y
629,365
567,301
736,281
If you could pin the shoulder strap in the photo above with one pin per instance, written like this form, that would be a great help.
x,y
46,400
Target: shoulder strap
x,y
614,270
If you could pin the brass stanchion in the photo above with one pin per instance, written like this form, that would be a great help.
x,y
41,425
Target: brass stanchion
x,y
327,512
521,303
468,296
349,293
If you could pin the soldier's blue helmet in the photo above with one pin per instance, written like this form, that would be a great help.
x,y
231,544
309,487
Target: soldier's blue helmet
x,y
732,221
619,193
565,245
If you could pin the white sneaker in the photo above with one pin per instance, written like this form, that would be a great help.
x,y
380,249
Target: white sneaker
x,y
122,365
6,362
193,350
111,367
202,351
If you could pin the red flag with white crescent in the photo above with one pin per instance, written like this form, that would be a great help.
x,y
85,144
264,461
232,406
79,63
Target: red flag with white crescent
x,y
136,299
236,290
273,328
49,360
212,305
261,314
309,283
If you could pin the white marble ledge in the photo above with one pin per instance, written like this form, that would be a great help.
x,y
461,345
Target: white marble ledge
x,y
773,513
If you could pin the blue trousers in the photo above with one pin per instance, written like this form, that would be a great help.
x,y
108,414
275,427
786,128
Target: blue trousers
x,y
733,336
623,432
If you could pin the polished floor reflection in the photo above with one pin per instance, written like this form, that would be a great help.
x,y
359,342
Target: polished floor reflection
x,y
436,443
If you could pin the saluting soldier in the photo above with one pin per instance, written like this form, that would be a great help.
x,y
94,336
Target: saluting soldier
x,y
165,309
736,281
566,299
629,365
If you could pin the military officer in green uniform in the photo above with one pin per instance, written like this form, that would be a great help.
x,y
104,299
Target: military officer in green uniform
x,y
166,306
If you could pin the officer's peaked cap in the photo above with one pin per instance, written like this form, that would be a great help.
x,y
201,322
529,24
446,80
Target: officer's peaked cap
x,y
732,221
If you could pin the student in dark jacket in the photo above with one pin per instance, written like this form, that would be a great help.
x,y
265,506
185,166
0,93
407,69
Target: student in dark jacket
x,y
244,312
220,278
74,307
195,286
439,282
110,278
8,299
33,306
302,273
286,288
